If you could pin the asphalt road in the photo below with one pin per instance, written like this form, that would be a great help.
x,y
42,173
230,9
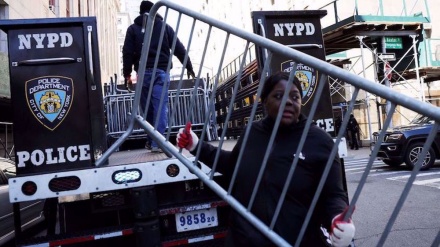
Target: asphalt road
x,y
418,222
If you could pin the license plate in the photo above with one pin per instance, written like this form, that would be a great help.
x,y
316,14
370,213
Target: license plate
x,y
198,219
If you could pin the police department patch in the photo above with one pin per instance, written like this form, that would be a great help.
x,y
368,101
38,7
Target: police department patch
x,y
49,98
306,75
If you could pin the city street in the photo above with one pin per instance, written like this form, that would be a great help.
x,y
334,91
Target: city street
x,y
418,221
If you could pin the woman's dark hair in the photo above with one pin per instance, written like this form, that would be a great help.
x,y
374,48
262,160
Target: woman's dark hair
x,y
272,80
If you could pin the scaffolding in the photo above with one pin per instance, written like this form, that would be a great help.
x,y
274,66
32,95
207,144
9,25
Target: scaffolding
x,y
399,41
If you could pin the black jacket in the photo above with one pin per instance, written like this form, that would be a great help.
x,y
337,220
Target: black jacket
x,y
134,38
352,125
311,164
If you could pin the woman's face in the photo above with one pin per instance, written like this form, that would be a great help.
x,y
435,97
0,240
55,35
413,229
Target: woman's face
x,y
293,104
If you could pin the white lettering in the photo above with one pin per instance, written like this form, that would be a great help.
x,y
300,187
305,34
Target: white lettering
x,y
299,29
325,124
63,39
310,29
52,38
61,158
289,27
37,157
70,155
278,29
329,124
50,159
66,39
84,152
25,41
54,155
22,156
39,38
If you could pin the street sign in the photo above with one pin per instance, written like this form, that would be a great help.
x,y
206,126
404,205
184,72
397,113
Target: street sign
x,y
387,56
393,43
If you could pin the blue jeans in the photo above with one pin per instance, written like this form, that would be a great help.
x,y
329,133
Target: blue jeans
x,y
160,82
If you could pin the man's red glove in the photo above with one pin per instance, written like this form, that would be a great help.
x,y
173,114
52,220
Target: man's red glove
x,y
342,232
186,138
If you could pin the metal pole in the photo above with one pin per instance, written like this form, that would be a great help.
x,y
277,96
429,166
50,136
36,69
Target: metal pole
x,y
6,137
427,10
355,7
378,108
404,7
367,96
422,88
387,82
380,7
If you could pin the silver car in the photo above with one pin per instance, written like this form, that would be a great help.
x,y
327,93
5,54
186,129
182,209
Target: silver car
x,y
31,212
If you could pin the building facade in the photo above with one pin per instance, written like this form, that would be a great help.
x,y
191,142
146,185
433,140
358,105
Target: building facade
x,y
106,12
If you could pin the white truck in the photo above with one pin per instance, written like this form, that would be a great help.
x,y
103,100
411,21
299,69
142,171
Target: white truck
x,y
63,124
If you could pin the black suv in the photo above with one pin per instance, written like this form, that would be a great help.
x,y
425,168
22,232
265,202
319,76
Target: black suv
x,y
404,143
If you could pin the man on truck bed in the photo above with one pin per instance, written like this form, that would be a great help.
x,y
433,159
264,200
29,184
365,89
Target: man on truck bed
x,y
313,158
131,52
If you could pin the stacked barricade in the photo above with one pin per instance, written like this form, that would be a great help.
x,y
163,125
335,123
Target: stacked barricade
x,y
119,103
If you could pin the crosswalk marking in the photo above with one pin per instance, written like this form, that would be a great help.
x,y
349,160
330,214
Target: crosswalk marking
x,y
428,181
418,175
358,165
424,178
387,173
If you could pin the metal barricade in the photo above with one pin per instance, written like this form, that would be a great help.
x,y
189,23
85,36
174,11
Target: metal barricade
x,y
182,101
119,105
231,34
6,140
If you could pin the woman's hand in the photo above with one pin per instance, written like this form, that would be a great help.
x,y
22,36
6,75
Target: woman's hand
x,y
186,138
342,232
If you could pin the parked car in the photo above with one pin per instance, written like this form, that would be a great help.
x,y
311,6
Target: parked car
x,y
31,212
402,144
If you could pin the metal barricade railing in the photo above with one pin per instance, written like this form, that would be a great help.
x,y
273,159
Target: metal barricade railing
x,y
182,100
118,105
6,140
245,208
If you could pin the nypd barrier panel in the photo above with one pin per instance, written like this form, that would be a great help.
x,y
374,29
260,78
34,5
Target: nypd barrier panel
x,y
56,94
300,30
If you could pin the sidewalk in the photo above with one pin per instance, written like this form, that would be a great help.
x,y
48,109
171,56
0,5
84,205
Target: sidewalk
x,y
362,153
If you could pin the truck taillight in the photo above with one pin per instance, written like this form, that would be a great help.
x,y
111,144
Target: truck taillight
x,y
126,176
173,170
59,184
29,188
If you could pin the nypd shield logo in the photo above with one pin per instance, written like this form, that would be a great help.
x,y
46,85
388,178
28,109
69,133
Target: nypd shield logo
x,y
49,99
306,75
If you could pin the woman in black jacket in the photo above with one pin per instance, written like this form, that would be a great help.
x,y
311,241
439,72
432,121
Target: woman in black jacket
x,y
312,160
